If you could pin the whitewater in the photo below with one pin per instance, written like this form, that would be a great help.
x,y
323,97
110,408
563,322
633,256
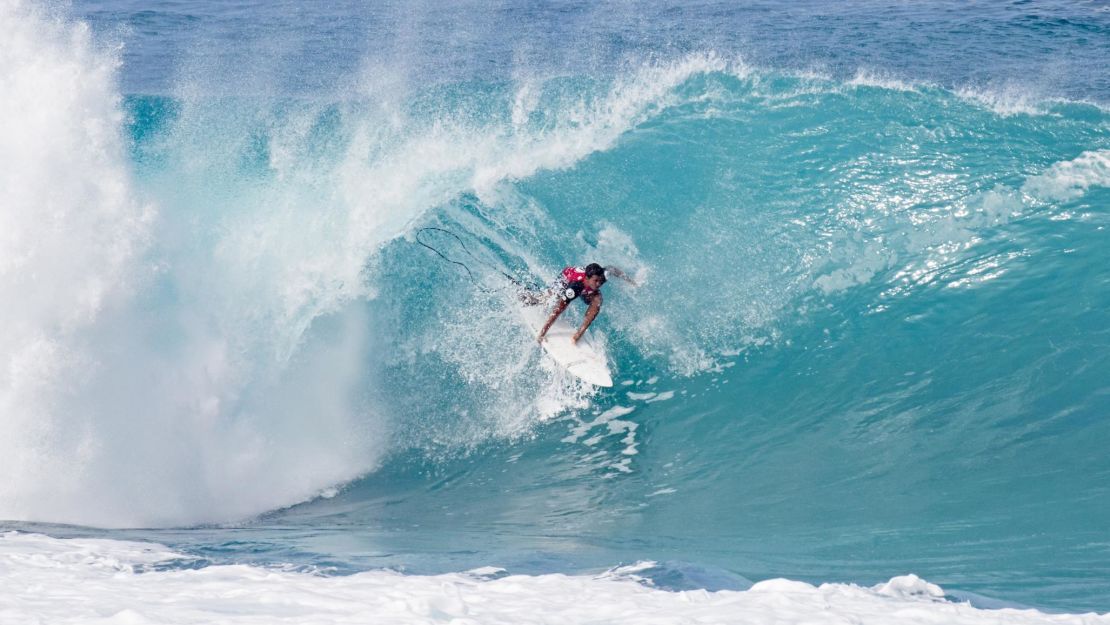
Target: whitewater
x,y
863,378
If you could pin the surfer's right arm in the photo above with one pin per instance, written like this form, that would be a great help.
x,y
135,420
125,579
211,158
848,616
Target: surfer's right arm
x,y
559,308
620,274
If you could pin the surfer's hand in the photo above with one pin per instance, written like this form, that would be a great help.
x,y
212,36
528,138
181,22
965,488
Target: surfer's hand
x,y
622,275
540,338
577,336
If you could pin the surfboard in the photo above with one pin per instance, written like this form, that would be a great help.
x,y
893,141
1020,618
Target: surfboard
x,y
585,360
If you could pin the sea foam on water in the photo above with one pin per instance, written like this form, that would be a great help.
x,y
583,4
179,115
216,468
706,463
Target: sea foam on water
x,y
64,581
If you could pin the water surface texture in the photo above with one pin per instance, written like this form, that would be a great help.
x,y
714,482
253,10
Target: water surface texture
x,y
872,335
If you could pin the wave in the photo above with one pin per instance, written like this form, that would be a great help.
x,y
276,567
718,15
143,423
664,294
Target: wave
x,y
202,323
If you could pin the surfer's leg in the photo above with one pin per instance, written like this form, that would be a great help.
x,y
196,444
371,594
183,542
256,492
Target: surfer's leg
x,y
529,297
536,297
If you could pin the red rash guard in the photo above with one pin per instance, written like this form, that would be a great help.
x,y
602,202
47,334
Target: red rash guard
x,y
574,284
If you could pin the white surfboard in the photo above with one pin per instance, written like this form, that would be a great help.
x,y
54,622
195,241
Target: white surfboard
x,y
585,360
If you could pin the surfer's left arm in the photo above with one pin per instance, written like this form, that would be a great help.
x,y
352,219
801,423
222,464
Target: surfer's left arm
x,y
591,313
620,274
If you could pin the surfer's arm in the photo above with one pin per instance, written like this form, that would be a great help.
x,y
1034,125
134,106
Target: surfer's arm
x,y
559,308
620,274
591,312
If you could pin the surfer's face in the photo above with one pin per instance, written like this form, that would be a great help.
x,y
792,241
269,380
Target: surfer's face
x,y
594,282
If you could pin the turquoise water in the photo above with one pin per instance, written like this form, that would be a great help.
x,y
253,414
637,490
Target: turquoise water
x,y
871,338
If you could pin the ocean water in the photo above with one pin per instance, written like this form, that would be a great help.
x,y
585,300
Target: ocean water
x,y
864,376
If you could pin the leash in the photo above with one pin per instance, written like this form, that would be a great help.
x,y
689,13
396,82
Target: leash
x,y
462,244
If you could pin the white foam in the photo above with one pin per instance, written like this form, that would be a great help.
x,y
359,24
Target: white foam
x,y
582,428
910,587
123,410
1068,180
1006,100
70,229
664,396
880,80
103,581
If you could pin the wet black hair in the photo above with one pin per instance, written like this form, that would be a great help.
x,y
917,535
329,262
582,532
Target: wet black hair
x,y
594,269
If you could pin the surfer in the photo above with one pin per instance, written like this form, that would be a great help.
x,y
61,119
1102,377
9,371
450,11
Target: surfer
x,y
577,283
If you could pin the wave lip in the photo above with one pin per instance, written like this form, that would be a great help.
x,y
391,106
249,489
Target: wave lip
x,y
78,581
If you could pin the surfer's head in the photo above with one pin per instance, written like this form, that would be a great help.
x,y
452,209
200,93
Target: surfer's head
x,y
595,276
